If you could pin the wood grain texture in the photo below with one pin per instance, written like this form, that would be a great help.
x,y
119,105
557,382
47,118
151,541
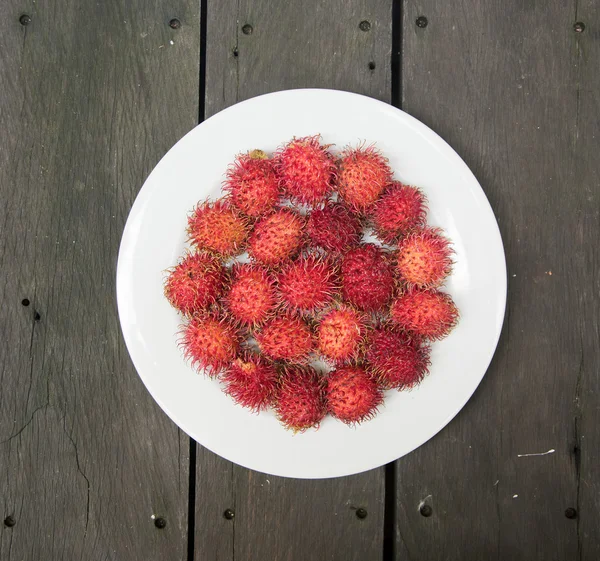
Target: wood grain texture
x,y
296,45
91,96
504,85
293,44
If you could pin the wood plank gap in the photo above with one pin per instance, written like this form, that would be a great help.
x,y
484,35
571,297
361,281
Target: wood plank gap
x,y
202,75
396,59
192,501
389,513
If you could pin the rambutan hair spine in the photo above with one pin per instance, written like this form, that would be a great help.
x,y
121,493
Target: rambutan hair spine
x,y
424,259
308,283
209,342
341,333
219,228
306,169
363,174
252,184
196,283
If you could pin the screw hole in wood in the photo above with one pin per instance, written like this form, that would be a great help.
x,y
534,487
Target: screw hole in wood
x,y
361,513
229,514
371,65
364,25
25,302
9,521
174,23
571,513
247,29
160,523
25,20
579,27
421,22
426,511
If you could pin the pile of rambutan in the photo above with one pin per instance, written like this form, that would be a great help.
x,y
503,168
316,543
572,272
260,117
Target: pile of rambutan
x,y
287,304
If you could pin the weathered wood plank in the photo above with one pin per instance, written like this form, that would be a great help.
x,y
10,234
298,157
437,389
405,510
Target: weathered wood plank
x,y
586,276
91,96
499,82
292,44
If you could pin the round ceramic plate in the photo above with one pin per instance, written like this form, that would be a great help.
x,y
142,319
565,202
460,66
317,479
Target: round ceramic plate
x,y
155,237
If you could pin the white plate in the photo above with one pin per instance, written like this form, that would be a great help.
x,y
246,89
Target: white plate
x,y
154,238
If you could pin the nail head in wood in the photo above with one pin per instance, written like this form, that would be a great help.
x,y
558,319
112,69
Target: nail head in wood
x,y
25,302
372,65
361,513
229,514
160,523
421,22
571,513
174,23
579,27
9,521
247,29
426,511
364,25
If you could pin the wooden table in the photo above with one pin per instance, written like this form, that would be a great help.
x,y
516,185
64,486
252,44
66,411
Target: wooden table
x,y
92,94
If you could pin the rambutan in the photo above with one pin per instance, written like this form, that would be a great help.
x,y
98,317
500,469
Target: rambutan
x,y
429,313
353,395
340,334
424,258
300,400
285,338
251,382
367,278
251,296
306,169
308,283
400,209
252,184
210,343
333,227
218,227
397,360
362,177
195,283
277,237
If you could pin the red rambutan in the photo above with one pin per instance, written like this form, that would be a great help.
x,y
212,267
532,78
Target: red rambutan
x,y
367,278
308,283
195,283
209,343
334,227
424,258
300,400
251,382
252,183
429,313
218,227
362,177
285,338
251,296
353,395
400,209
306,169
397,360
340,334
277,237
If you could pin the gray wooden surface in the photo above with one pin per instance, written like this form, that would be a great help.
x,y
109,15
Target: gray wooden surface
x,y
93,94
